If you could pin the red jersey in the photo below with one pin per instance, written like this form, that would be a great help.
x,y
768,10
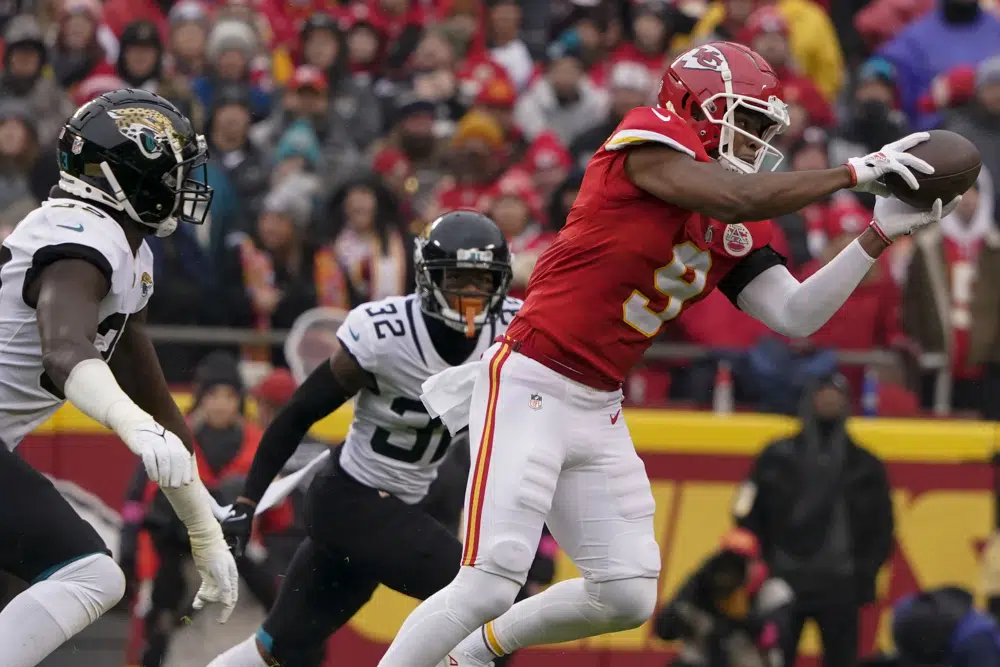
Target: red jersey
x,y
626,262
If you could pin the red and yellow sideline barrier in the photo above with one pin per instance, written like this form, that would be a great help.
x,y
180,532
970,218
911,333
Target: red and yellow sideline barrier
x,y
938,469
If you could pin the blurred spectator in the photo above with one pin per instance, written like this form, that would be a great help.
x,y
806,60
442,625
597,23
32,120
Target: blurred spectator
x,y
473,163
979,120
354,105
820,506
940,288
225,445
188,38
186,295
870,318
306,99
652,28
767,33
432,77
497,97
365,41
562,200
563,100
543,169
506,47
728,613
230,50
984,338
77,53
938,627
409,159
730,333
813,39
27,173
140,56
873,119
880,20
240,159
268,283
366,242
23,79
972,35
119,13
526,237
323,45
630,85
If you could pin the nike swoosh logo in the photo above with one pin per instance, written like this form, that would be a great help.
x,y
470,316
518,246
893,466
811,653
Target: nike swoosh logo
x,y
665,119
78,228
614,417
355,336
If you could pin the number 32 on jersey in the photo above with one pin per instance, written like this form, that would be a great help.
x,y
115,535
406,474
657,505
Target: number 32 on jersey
x,y
681,280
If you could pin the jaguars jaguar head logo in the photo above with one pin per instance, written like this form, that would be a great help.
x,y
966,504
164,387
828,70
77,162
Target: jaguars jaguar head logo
x,y
149,129
146,284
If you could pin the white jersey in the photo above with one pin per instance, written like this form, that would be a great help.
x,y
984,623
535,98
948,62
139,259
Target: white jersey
x,y
393,444
59,229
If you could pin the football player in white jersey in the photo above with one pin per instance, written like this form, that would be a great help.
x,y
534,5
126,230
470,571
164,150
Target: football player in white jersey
x,y
363,514
75,278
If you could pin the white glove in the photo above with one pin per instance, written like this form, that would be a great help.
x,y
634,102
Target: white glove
x,y
219,577
894,218
892,159
164,456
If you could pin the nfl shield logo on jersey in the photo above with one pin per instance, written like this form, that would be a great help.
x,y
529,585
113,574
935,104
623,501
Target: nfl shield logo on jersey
x,y
535,402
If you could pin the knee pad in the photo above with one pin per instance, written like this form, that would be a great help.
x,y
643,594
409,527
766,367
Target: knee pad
x,y
93,584
509,557
484,595
625,603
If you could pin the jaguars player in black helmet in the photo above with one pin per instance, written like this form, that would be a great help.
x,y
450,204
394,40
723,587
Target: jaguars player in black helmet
x,y
75,278
366,524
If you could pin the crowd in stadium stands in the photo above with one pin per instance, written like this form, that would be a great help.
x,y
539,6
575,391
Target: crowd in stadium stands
x,y
337,129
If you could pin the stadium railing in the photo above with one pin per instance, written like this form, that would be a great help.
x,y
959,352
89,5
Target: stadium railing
x,y
930,362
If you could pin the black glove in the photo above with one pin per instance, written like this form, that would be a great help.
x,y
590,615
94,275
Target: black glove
x,y
238,526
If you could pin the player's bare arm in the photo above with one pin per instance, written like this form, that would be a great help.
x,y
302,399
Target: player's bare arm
x,y
712,190
67,295
328,387
138,371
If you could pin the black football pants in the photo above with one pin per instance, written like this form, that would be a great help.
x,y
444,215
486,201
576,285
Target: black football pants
x,y
357,539
39,530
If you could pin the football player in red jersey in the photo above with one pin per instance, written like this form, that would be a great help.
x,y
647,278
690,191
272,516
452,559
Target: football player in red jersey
x,y
665,215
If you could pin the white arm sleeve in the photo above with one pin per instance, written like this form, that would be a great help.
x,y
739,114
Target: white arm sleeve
x,y
797,309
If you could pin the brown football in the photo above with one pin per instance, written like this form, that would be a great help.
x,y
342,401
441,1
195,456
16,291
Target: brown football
x,y
956,163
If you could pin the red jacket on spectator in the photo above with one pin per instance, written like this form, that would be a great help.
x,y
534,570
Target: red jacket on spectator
x,y
392,24
802,91
654,62
119,13
882,20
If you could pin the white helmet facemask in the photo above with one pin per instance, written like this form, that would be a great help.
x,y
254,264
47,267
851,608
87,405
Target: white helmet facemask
x,y
773,109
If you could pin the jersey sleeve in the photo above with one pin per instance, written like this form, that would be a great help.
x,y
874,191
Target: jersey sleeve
x,y
71,230
650,125
358,336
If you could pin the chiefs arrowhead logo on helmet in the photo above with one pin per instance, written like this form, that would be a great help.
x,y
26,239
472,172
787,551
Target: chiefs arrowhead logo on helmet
x,y
713,87
704,57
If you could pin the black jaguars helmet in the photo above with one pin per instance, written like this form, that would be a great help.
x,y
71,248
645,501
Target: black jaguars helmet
x,y
463,267
134,152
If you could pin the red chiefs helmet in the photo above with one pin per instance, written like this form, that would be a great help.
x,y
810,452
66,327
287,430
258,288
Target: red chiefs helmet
x,y
706,86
